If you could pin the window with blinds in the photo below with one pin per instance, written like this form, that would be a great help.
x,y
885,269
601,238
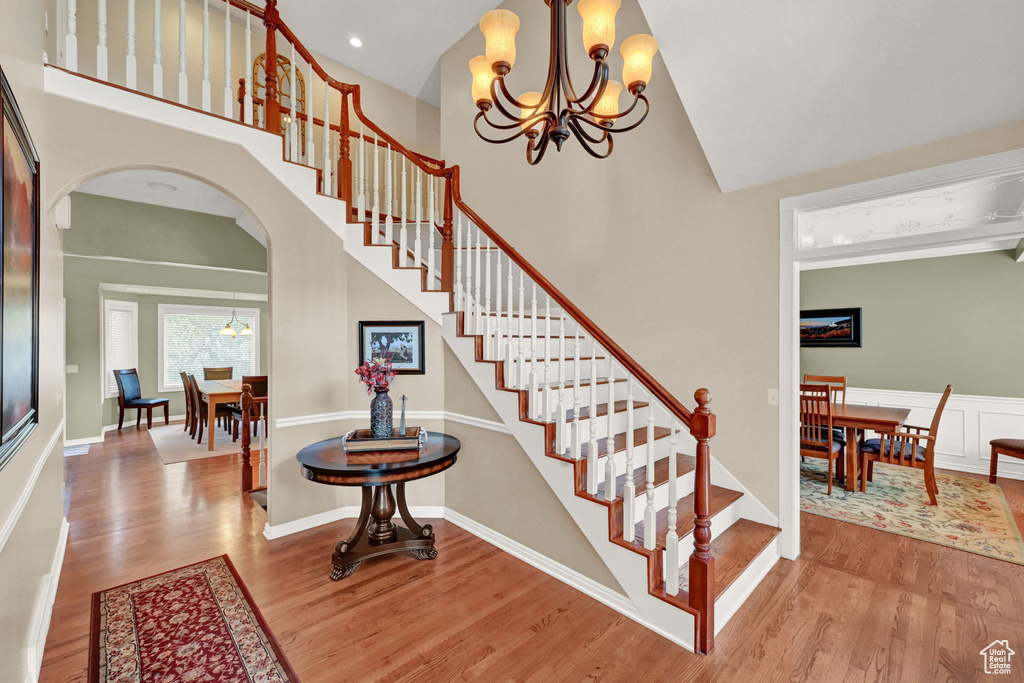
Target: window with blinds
x,y
190,340
120,341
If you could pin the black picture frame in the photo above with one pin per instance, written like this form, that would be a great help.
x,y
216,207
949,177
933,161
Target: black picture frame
x,y
836,327
19,277
410,358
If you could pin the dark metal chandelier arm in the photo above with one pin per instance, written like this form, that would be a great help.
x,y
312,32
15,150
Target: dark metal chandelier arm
x,y
539,145
597,141
518,123
647,109
598,82
582,138
476,127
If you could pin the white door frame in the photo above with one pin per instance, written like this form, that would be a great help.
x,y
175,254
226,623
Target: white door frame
x,y
792,260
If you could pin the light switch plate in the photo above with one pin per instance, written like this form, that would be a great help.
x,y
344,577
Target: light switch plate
x,y
773,397
72,369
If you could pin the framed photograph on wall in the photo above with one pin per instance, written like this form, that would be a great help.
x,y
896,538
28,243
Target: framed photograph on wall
x,y
830,327
19,273
399,340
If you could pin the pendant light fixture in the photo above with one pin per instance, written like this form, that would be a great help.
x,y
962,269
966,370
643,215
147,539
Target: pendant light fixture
x,y
229,329
558,113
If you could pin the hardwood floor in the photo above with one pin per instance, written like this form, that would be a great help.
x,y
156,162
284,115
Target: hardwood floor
x,y
858,605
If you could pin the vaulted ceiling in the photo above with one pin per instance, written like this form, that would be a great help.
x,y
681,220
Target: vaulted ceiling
x,y
773,89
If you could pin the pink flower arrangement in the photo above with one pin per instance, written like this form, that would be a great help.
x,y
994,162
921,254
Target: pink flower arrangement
x,y
377,375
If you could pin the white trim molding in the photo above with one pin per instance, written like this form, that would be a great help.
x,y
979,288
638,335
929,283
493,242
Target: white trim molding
x,y
300,420
167,263
275,531
112,428
152,290
26,493
968,424
44,606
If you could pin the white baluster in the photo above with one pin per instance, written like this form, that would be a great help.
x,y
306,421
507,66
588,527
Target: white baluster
x,y
229,106
158,46
403,256
375,207
468,322
293,115
71,37
577,403
131,65
535,400
249,85
431,230
629,490
101,46
672,558
479,318
522,330
389,223
494,349
361,194
563,428
545,384
592,472
325,177
310,152
417,251
609,462
487,289
206,56
182,55
458,263
650,514
506,324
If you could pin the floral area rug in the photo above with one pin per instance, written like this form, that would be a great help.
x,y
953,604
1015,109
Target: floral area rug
x,y
196,623
972,514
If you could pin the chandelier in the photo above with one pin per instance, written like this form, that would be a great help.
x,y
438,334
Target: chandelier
x,y
557,112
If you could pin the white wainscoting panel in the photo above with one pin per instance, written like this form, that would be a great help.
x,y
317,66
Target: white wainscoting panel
x,y
968,424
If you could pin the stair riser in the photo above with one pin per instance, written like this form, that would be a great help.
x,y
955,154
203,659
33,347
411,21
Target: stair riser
x,y
537,400
527,326
552,346
526,369
683,483
619,422
719,523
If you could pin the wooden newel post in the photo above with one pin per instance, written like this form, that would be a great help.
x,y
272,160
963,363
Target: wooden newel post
x,y
345,154
447,243
702,562
247,468
272,106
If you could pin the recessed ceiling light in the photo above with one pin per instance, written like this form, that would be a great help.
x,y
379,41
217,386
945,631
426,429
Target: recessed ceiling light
x,y
161,187
355,42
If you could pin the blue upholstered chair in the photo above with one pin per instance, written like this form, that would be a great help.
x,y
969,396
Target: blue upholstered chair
x,y
129,395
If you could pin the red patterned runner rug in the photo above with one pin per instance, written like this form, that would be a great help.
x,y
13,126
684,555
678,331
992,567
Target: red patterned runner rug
x,y
195,623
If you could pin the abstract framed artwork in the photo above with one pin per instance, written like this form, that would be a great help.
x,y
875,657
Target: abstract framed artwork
x,y
19,272
402,341
830,327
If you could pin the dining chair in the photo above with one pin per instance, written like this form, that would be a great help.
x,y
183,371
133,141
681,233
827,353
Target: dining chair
x,y
129,395
259,390
908,447
202,410
218,373
188,400
836,383
816,438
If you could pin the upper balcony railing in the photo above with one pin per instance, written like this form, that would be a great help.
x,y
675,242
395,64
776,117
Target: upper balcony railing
x,y
242,62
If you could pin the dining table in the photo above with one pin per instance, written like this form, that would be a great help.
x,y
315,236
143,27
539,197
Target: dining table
x,y
853,417
215,392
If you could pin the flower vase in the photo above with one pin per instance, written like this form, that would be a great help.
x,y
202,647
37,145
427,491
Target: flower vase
x,y
381,415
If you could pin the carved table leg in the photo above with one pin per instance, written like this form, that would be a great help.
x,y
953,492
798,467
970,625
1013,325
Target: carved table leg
x,y
425,532
382,510
341,567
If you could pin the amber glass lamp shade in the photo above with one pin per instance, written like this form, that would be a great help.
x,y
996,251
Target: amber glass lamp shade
x,y
598,25
482,77
637,54
228,330
608,105
499,27
531,102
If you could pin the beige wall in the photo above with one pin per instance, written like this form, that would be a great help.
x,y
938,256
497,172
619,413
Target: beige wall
x,y
682,276
926,323
114,228
26,556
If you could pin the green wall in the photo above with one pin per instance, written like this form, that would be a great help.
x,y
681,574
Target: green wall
x,y
103,227
926,323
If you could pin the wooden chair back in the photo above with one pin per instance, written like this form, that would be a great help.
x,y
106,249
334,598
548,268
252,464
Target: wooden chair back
x,y
218,373
835,383
258,384
193,390
816,420
188,398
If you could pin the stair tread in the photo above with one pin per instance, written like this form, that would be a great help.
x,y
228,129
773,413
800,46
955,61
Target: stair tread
x,y
721,498
684,465
602,409
639,439
585,382
734,550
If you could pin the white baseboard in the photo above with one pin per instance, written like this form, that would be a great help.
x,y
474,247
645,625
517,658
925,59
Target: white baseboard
x,y
271,532
44,607
113,428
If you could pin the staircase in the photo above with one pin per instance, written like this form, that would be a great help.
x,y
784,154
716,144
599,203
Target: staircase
x,y
630,462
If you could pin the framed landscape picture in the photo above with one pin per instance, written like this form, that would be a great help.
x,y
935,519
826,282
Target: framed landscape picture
x,y
830,327
401,341
19,273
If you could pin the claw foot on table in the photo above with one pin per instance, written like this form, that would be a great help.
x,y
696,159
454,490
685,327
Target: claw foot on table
x,y
425,553
339,573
